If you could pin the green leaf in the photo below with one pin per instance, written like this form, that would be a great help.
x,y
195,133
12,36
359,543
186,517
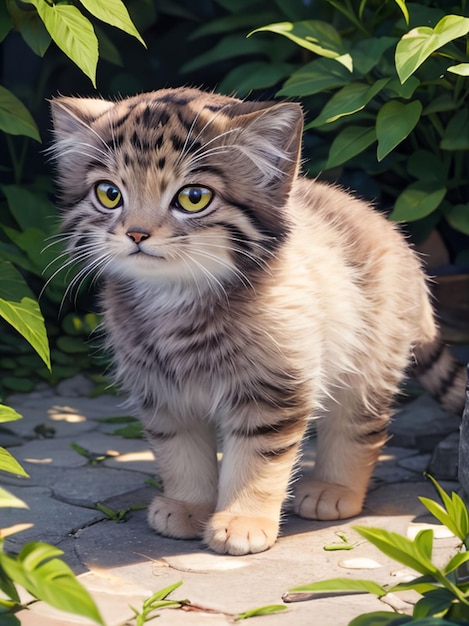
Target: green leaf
x,y
462,69
229,23
457,560
7,414
456,135
50,579
350,99
417,200
255,75
30,209
162,594
434,603
5,22
73,33
380,618
456,513
314,35
394,122
344,584
419,43
9,464
115,13
8,500
367,53
316,77
30,25
425,165
405,90
15,119
262,610
458,217
20,309
405,12
399,548
231,46
351,141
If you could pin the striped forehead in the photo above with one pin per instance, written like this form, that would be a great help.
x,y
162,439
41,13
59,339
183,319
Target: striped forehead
x,y
147,131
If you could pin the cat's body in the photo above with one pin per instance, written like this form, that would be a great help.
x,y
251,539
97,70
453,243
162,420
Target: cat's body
x,y
241,300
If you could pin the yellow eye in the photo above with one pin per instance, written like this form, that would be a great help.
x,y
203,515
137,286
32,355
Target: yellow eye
x,y
193,198
108,195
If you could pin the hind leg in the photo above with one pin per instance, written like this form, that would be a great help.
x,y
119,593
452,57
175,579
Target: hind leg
x,y
350,439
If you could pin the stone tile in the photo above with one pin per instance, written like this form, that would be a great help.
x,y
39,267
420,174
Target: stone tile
x,y
445,458
53,520
90,484
421,424
55,453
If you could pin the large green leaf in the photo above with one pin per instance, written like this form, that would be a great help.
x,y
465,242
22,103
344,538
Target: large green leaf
x,y
417,200
30,25
456,135
115,13
72,32
349,142
8,463
314,35
399,548
419,43
350,99
5,22
458,217
394,122
315,77
15,119
19,307
367,53
47,578
30,210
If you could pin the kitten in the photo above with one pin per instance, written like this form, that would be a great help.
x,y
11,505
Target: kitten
x,y
240,301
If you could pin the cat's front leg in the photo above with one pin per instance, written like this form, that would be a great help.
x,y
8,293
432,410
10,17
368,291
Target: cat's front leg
x,y
350,439
254,477
187,464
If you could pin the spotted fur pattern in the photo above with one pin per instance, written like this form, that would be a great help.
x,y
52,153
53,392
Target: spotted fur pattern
x,y
284,300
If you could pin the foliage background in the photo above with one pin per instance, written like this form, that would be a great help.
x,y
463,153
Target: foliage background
x,y
204,44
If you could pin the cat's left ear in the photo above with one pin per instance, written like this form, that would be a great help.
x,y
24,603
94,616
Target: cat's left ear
x,y
271,139
73,115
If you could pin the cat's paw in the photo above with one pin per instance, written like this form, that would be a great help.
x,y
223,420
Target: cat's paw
x,y
228,533
326,501
174,518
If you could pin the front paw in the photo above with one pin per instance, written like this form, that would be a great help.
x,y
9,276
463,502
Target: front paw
x,y
174,518
228,533
326,501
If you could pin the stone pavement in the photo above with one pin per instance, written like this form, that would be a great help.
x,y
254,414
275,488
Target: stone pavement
x,y
122,563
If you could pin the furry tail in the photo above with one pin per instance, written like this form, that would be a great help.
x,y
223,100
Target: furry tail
x,y
441,375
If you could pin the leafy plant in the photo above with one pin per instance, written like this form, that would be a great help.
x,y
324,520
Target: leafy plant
x,y
155,602
386,84
121,515
445,593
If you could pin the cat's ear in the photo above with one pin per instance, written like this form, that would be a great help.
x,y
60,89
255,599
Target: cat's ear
x,y
71,115
271,139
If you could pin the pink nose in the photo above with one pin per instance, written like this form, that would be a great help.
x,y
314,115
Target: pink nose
x,y
137,236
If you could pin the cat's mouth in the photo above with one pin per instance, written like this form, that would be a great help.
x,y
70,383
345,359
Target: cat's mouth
x,y
152,255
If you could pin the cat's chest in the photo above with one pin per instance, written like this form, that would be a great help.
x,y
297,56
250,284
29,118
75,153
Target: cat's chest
x,y
176,338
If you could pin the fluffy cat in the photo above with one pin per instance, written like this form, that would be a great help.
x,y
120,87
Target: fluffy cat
x,y
240,301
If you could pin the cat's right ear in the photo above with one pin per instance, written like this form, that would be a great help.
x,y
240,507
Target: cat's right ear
x,y
72,115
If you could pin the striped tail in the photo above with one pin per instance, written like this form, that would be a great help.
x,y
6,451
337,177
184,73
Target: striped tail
x,y
441,375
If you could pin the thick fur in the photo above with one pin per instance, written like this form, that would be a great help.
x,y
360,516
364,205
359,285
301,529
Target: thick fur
x,y
285,300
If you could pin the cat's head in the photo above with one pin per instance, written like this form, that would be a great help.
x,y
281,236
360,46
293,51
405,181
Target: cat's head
x,y
175,185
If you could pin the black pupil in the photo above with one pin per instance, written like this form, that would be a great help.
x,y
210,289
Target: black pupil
x,y
195,195
112,193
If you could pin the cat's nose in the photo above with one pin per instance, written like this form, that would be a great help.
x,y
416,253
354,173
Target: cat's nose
x,y
137,236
